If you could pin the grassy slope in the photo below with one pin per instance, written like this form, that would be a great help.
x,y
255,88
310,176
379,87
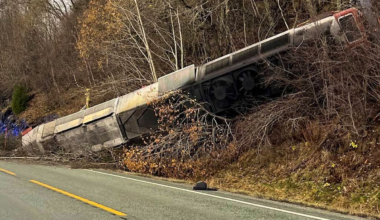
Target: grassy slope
x,y
65,103
343,178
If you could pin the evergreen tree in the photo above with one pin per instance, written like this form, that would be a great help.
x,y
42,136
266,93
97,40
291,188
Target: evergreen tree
x,y
19,99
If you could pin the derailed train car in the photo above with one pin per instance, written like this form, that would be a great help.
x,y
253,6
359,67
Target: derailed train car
x,y
224,84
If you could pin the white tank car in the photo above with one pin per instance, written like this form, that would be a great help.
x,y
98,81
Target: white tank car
x,y
114,122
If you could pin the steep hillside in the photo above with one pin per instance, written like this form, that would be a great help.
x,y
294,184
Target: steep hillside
x,y
315,143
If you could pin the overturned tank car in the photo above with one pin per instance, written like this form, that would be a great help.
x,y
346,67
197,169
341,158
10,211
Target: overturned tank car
x,y
225,83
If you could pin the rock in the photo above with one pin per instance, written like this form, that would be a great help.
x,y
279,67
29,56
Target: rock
x,y
200,186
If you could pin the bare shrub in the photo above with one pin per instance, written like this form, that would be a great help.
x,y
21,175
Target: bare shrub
x,y
285,115
334,85
9,143
191,141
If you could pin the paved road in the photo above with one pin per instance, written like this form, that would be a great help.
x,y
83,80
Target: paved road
x,y
49,192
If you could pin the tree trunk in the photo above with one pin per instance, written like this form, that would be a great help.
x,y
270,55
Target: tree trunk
x,y
150,57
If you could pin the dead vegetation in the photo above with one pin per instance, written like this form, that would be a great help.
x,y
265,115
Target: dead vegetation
x,y
326,84
189,137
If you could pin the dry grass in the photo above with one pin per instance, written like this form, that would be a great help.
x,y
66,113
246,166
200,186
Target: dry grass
x,y
345,180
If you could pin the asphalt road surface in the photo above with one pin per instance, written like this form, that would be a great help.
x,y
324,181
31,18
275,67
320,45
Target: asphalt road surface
x,y
50,192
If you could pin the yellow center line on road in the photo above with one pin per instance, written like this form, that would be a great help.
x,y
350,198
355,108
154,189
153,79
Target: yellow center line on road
x,y
7,172
105,208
